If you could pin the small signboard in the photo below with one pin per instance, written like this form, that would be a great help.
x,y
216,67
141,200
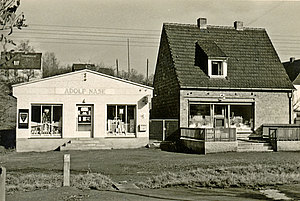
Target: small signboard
x,y
142,127
23,118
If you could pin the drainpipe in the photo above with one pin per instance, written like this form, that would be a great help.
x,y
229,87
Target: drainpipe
x,y
290,95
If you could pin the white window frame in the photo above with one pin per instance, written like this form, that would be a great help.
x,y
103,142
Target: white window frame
x,y
224,68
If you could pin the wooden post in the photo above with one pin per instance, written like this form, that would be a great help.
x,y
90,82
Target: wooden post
x,y
164,130
2,183
66,170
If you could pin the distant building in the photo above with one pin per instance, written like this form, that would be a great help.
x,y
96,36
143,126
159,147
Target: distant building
x,y
107,71
20,66
292,68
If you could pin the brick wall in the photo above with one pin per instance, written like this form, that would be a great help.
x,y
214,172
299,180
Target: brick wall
x,y
166,89
271,107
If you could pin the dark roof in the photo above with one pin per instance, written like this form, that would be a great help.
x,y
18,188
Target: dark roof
x,y
20,60
76,67
252,59
210,48
292,69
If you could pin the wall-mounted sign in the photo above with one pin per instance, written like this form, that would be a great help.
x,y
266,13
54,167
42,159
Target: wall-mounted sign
x,y
142,127
84,91
23,118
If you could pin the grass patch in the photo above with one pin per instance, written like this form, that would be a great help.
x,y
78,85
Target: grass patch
x,y
251,176
37,181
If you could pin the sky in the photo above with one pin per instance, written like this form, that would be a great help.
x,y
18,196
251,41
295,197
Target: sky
x,y
98,31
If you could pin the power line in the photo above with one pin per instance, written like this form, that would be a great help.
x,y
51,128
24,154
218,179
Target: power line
x,y
88,35
91,40
93,44
92,27
93,32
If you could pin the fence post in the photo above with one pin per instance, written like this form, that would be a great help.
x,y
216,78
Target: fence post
x,y
67,161
2,183
164,130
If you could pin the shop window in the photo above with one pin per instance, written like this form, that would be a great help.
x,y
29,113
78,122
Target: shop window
x,y
121,119
217,115
241,117
200,115
46,120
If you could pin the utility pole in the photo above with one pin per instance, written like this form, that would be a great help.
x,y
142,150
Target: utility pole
x,y
128,59
147,72
117,65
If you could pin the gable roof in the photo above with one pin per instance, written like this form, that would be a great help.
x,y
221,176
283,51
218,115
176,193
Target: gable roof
x,y
251,58
80,71
21,60
292,68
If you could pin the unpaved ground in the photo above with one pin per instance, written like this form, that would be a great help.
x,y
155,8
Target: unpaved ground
x,y
178,193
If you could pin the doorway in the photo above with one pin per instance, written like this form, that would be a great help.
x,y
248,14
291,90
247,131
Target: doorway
x,y
85,120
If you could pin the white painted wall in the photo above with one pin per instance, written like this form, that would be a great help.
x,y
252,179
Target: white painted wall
x,y
74,88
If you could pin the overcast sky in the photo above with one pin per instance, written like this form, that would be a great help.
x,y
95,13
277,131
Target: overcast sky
x,y
94,31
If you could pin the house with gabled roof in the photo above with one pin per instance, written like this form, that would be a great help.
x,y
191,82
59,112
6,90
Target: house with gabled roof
x,y
81,110
220,77
292,68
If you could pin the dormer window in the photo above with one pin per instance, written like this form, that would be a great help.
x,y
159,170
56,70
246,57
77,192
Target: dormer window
x,y
217,68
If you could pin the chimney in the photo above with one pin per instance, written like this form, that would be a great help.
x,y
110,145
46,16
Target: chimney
x,y
238,25
202,23
292,59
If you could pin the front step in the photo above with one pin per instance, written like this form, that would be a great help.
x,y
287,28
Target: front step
x,y
248,146
83,144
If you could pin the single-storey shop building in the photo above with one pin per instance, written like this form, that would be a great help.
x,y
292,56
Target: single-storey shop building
x,y
81,105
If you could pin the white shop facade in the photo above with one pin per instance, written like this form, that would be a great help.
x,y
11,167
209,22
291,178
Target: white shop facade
x,y
81,104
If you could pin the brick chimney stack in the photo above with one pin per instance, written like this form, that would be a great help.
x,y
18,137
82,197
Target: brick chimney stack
x,y
202,23
238,25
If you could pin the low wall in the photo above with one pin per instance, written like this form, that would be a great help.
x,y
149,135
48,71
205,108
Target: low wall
x,y
48,144
202,147
217,147
125,143
288,146
38,145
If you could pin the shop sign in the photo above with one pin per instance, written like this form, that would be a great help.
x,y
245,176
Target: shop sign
x,y
83,91
23,118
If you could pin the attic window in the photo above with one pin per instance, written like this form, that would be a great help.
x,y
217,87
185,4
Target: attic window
x,y
16,63
217,68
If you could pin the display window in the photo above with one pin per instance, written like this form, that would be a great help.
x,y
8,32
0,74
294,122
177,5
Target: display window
x,y
233,115
46,120
121,119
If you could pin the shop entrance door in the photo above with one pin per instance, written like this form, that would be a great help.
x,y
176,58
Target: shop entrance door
x,y
85,120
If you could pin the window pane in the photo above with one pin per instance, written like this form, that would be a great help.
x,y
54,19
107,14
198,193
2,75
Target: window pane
x,y
200,116
131,119
121,112
36,113
111,112
241,116
217,68
57,119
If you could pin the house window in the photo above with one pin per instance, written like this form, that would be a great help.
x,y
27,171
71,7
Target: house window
x,y
121,120
16,63
217,68
46,120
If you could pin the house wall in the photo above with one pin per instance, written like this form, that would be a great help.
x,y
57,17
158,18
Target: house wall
x,y
270,106
166,89
58,91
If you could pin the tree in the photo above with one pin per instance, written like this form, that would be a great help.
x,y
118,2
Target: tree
x,y
50,64
24,46
9,20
